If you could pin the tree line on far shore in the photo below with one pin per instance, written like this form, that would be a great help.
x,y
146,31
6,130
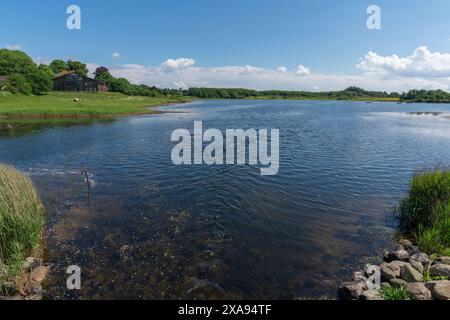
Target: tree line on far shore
x,y
351,93
26,77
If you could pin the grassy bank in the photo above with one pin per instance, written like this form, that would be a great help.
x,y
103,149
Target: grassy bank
x,y
21,223
90,105
425,213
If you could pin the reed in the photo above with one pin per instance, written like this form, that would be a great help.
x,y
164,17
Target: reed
x,y
21,222
425,213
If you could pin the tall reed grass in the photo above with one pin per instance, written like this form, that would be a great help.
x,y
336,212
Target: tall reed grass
x,y
425,212
21,221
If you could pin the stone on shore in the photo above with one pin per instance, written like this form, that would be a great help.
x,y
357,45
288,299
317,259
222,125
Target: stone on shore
x,y
418,291
371,295
420,257
417,265
401,255
441,290
351,290
443,260
392,270
31,263
410,274
405,243
358,276
38,274
397,283
440,270
413,250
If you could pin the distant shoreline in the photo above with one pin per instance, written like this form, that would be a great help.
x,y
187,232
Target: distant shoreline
x,y
66,106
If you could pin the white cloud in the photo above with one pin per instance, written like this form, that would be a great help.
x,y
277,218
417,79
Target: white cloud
x,y
180,85
420,70
116,55
13,47
421,63
172,65
302,70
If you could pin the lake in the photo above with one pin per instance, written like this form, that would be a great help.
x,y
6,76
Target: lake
x,y
151,230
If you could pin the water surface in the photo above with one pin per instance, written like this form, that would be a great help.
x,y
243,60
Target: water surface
x,y
152,230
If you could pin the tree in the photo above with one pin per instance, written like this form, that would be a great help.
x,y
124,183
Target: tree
x,y
40,82
23,73
120,85
58,66
47,70
102,74
77,67
12,62
17,83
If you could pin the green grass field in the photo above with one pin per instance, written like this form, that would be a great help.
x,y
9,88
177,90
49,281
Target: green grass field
x,y
91,105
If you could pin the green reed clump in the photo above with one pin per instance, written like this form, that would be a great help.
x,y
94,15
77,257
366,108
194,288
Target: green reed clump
x,y
436,238
21,221
392,293
425,212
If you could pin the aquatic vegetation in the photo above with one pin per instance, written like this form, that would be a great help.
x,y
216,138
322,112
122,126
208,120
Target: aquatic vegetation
x,y
21,222
425,213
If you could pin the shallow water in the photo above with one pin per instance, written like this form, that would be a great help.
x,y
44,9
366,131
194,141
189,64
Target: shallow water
x,y
152,230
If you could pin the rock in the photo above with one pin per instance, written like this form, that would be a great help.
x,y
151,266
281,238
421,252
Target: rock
x,y
76,100
8,288
405,243
387,273
351,290
440,270
359,276
31,263
420,257
397,283
441,290
38,274
401,255
410,274
413,250
417,265
392,270
12,298
34,289
443,260
371,295
418,291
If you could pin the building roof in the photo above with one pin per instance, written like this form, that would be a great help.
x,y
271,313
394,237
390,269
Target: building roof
x,y
71,74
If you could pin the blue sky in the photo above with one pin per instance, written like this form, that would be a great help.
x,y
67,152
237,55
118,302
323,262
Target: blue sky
x,y
327,37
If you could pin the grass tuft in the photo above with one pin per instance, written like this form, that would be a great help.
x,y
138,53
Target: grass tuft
x,y
21,222
425,213
391,293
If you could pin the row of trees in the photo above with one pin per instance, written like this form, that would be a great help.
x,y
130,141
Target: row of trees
x,y
26,77
122,85
347,94
436,96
